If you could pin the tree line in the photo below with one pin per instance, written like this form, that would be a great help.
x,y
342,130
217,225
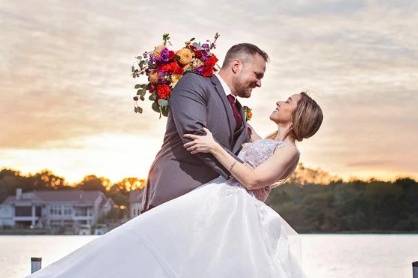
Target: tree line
x,y
357,206
312,201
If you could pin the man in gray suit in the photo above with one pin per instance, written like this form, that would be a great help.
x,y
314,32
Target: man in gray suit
x,y
198,102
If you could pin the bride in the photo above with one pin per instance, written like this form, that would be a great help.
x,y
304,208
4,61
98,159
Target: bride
x,y
222,228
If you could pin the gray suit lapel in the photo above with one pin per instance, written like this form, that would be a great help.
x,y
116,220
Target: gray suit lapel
x,y
227,107
243,138
243,132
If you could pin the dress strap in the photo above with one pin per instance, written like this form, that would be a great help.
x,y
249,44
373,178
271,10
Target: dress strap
x,y
279,144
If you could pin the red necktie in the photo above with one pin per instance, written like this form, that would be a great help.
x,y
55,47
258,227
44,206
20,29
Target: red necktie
x,y
235,110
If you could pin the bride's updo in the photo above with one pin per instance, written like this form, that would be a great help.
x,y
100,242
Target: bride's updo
x,y
307,117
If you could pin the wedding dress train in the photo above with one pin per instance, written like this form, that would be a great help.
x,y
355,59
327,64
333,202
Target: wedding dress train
x,y
217,230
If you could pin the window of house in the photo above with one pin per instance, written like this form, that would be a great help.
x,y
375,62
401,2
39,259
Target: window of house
x,y
68,210
23,211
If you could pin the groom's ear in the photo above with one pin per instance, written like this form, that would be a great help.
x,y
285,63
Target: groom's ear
x,y
236,66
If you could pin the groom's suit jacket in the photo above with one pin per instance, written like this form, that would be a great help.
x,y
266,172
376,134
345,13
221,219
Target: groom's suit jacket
x,y
195,102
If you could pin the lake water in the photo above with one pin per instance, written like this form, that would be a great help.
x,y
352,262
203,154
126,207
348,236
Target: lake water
x,y
324,256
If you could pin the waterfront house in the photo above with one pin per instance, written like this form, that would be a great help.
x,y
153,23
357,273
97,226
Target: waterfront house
x,y
70,209
6,215
135,201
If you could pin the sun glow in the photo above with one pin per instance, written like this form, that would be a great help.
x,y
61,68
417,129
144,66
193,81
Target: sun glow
x,y
114,156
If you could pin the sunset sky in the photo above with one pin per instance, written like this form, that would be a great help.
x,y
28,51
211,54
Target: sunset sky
x,y
66,86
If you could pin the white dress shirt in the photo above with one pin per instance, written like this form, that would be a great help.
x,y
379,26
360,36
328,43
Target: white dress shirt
x,y
225,86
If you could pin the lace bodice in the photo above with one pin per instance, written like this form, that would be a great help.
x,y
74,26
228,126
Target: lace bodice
x,y
256,152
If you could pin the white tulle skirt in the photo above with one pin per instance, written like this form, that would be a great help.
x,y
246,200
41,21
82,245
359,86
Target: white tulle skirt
x,y
217,230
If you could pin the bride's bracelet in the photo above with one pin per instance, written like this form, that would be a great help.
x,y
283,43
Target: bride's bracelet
x,y
232,165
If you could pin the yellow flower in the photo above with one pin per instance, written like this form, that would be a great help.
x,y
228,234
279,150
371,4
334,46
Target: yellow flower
x,y
175,78
184,56
197,63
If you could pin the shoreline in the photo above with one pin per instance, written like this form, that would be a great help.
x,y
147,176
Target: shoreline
x,y
23,232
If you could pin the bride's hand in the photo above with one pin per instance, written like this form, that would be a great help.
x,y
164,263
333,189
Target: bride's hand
x,y
200,143
262,193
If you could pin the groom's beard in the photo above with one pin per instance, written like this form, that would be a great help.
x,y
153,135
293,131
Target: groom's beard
x,y
246,93
246,90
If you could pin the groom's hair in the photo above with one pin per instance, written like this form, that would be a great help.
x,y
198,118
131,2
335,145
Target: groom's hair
x,y
243,50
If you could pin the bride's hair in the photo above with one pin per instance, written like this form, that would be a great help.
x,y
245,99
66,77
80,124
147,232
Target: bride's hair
x,y
307,118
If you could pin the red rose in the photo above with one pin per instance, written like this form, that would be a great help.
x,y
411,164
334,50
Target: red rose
x,y
172,67
211,61
198,54
207,71
163,91
171,55
177,69
166,68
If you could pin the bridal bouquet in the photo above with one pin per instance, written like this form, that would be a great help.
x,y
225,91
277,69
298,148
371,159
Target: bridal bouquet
x,y
164,67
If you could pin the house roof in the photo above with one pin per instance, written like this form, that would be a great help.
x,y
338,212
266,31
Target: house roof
x,y
79,196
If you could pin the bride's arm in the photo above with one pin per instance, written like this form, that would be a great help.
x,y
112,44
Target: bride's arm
x,y
269,172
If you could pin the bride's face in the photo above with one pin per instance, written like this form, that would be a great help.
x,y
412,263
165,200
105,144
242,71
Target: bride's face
x,y
284,109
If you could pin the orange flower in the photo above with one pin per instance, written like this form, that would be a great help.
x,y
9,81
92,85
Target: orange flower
x,y
184,56
153,77
248,113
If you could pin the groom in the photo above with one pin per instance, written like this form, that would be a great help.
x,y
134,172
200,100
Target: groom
x,y
198,102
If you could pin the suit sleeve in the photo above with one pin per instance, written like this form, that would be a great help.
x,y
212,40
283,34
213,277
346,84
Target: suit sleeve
x,y
188,109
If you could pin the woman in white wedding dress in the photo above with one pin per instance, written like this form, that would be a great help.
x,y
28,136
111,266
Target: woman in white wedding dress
x,y
221,229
